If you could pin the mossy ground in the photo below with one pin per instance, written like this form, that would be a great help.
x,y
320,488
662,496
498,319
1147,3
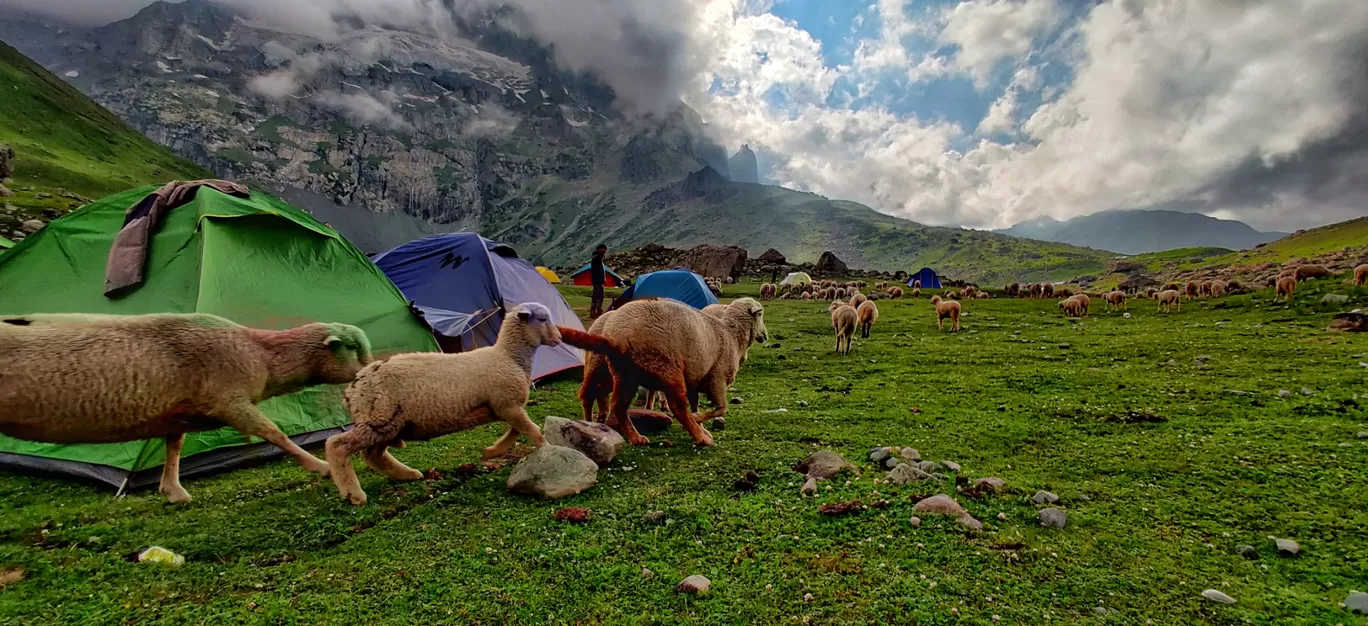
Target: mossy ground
x,y
1155,508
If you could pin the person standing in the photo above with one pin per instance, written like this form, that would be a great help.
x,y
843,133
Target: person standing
x,y
597,276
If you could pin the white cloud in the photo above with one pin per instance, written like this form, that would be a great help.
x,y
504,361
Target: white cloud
x,y
363,108
1001,117
989,31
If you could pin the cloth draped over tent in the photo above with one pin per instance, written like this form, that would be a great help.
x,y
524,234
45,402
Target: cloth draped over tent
x,y
463,284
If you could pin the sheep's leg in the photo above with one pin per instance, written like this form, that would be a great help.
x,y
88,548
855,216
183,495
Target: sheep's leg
x,y
340,448
248,419
380,460
623,392
717,395
676,397
516,417
502,445
170,479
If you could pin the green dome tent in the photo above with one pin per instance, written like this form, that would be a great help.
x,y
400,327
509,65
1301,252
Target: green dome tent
x,y
5,244
258,261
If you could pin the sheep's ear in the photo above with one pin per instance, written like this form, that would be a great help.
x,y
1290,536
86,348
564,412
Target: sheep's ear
x,y
333,341
524,315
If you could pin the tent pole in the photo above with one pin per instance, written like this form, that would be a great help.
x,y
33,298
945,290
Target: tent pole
x,y
122,486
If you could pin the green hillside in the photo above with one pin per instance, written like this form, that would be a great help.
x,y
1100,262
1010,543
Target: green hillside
x,y
67,148
559,223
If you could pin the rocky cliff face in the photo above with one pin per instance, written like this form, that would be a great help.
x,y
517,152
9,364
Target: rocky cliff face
x,y
743,166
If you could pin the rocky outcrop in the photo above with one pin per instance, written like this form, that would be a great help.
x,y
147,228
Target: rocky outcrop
x,y
715,261
829,264
6,162
772,257
743,166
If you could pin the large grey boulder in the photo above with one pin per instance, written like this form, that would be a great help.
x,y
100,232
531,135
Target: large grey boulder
x,y
553,472
599,442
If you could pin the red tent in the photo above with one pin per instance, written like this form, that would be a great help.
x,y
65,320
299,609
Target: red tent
x,y
582,277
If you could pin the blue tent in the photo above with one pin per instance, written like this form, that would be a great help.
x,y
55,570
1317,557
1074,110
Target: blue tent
x,y
462,283
928,278
681,285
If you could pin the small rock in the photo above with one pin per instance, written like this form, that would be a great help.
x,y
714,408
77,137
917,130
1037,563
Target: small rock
x,y
1287,547
951,465
573,514
992,484
930,467
1248,552
737,400
646,573
31,226
877,455
654,517
1064,346
1306,391
599,442
940,505
1101,611
1357,602
1283,393
910,455
1126,315
719,423
1044,497
916,521
553,472
843,508
807,597
1217,596
1171,363
891,462
1201,360
1363,434
904,474
969,522
802,403
11,575
5,192
1052,518
697,585
1334,298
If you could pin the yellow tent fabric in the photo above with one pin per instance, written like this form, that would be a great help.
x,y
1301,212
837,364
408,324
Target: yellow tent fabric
x,y
549,275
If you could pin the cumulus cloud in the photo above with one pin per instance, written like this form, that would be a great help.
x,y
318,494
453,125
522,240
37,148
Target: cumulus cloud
x,y
1001,117
990,31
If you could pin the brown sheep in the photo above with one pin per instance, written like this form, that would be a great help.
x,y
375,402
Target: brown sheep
x,y
953,295
841,293
1071,307
1286,286
844,320
1218,288
1115,300
868,313
1361,275
916,292
1037,290
916,284
946,309
1204,288
1047,290
982,295
1235,286
422,396
670,347
806,296
856,299
71,378
895,293
880,286
1083,299
1012,290
1063,292
1169,301
1307,272
1191,289
969,291
1149,293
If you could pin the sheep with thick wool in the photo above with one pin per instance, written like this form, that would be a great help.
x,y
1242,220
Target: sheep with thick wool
x,y
70,378
845,320
1086,301
1071,307
1218,288
1170,300
868,313
1115,300
1309,271
670,347
1361,275
946,309
421,396
895,292
857,298
1287,285
1191,289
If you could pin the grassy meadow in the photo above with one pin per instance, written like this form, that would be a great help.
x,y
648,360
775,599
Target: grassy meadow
x,y
1164,435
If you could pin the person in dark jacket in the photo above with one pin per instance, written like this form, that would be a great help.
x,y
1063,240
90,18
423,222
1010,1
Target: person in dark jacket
x,y
596,276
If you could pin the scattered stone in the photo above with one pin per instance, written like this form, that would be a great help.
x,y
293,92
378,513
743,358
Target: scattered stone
x,y
1287,547
1357,602
916,521
1306,391
1201,360
1217,596
877,455
910,455
1044,497
646,573
1363,434
5,192
1126,315
992,484
803,403
1171,363
599,442
930,467
891,462
940,505
1064,346
1283,393
654,517
553,472
1052,518
31,226
12,575
573,514
719,423
969,522
737,400
843,508
821,465
904,474
951,465
1101,611
94,541
697,585
807,597
1335,298
1248,552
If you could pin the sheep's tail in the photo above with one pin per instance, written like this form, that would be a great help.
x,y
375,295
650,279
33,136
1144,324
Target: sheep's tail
x,y
592,342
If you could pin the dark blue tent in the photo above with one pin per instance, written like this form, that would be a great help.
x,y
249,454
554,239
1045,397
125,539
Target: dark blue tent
x,y
681,285
462,282
928,278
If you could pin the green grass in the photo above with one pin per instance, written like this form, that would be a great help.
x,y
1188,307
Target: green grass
x,y
1155,509
270,130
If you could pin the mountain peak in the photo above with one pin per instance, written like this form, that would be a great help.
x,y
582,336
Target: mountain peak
x,y
1139,231
743,166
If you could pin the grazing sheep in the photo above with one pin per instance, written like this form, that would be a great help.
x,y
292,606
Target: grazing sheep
x,y
1063,292
597,385
880,286
1071,307
1037,290
1115,300
1361,275
916,292
868,313
897,292
953,295
112,378
1170,300
807,296
769,291
422,396
969,291
1047,290
1307,272
670,347
844,320
1286,286
1235,286
1012,290
1218,288
1083,299
916,284
946,309
1191,289
1204,288
1149,293
856,299
1177,287
982,295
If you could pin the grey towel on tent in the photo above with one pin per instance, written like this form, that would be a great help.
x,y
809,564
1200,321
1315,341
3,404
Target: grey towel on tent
x,y
128,255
